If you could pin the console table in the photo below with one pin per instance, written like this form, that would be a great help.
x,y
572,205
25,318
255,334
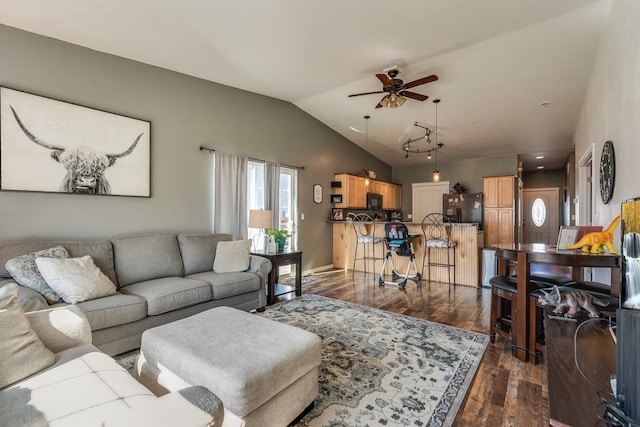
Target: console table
x,y
525,255
278,259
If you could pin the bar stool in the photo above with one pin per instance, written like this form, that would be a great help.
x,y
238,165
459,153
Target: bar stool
x,y
504,303
364,228
436,229
536,324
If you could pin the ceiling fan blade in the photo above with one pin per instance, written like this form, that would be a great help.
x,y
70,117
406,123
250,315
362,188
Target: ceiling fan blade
x,y
386,81
380,103
413,95
366,93
428,79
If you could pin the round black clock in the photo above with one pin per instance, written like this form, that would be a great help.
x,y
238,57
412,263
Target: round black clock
x,y
607,172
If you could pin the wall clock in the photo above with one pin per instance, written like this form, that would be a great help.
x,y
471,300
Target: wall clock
x,y
607,172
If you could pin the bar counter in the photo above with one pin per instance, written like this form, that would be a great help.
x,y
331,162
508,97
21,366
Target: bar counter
x,y
469,242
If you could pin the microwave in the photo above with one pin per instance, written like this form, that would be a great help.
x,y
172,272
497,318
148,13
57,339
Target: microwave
x,y
374,201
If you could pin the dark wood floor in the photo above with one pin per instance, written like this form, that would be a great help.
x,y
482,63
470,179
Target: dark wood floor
x,y
505,391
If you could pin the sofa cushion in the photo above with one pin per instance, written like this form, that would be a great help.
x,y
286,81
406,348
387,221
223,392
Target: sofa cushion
x,y
199,250
24,270
21,351
100,250
83,388
141,258
29,299
61,328
232,257
75,279
226,285
114,310
170,293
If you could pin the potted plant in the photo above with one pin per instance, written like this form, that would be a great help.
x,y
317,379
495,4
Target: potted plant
x,y
279,236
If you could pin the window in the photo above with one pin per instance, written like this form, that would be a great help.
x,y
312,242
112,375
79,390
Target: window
x,y
288,202
288,194
538,212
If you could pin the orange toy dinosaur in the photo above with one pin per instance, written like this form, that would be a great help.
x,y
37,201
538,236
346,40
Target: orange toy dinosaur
x,y
598,240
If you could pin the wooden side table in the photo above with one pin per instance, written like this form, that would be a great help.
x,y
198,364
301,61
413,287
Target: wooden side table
x,y
278,259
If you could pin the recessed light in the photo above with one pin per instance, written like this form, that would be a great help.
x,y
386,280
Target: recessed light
x,y
540,167
539,157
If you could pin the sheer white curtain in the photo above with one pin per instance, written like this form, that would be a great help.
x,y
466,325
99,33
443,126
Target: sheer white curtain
x,y
230,195
272,190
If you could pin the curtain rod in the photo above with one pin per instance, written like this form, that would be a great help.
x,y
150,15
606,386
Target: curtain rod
x,y
211,150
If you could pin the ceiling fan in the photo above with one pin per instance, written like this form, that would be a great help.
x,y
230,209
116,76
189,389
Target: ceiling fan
x,y
397,89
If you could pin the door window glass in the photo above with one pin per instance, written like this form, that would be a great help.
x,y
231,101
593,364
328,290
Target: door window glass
x,y
538,212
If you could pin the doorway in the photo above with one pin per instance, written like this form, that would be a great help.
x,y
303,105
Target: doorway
x,y
540,215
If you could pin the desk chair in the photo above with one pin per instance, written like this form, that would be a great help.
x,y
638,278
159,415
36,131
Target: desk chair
x,y
436,229
365,230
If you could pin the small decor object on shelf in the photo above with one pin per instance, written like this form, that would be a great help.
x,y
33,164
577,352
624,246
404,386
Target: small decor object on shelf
x,y
279,236
607,172
597,240
337,214
458,189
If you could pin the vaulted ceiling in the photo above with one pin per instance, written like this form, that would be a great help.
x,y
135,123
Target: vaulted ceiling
x,y
512,74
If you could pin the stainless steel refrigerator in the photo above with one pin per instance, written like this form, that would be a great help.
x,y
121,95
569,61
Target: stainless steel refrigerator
x,y
463,207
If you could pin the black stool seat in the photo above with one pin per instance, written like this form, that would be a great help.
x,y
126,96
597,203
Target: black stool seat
x,y
601,288
550,279
510,283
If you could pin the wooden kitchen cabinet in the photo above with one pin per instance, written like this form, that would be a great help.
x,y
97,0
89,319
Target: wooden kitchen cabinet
x,y
354,189
500,210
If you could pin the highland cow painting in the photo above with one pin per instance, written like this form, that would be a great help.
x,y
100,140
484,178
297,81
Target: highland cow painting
x,y
53,146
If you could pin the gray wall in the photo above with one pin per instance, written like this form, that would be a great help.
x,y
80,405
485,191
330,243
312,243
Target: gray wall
x,y
469,173
185,112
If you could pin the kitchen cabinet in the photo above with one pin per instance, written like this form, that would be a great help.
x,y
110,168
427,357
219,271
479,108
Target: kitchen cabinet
x,y
354,189
501,210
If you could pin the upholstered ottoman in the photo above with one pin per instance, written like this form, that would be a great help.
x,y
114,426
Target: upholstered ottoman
x,y
265,372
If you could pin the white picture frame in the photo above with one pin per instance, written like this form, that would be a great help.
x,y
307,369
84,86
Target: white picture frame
x,y
74,149
567,236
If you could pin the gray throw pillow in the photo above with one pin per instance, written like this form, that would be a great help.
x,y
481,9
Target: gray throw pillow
x,y
24,270
75,279
21,351
232,257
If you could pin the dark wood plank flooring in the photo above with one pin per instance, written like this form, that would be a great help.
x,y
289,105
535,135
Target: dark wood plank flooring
x,y
505,391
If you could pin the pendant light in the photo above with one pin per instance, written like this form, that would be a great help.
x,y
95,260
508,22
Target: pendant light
x,y
436,173
366,142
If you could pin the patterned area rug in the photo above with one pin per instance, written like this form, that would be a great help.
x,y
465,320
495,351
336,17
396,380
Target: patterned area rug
x,y
380,368
383,369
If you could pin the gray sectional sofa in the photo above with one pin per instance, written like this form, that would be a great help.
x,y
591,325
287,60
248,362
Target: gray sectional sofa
x,y
63,380
160,278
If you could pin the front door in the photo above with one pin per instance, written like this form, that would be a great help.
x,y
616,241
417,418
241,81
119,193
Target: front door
x,y
540,215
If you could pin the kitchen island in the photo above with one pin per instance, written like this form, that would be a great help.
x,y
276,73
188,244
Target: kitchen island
x,y
469,242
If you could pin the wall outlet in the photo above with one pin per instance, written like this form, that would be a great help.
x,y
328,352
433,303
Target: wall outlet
x,y
301,217
409,216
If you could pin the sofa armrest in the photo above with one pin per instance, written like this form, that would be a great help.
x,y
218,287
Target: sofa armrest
x,y
179,408
261,266
61,328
